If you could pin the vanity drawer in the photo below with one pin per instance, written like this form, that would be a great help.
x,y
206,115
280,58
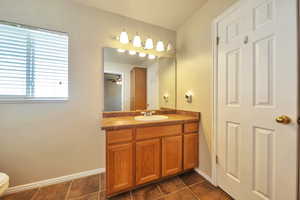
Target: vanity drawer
x,y
118,136
191,127
158,131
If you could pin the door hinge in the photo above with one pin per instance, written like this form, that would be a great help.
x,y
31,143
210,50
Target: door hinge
x,y
217,160
218,40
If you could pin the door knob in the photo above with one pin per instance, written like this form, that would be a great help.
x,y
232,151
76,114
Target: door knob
x,y
283,119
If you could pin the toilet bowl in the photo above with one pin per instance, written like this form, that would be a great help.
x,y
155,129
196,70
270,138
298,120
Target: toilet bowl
x,y
4,183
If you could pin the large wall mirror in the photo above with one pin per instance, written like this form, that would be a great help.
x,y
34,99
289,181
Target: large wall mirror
x,y
135,83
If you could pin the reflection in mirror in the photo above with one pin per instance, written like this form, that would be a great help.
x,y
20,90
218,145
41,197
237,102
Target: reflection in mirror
x,y
133,83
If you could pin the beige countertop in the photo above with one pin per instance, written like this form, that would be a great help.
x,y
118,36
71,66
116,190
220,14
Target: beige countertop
x,y
129,121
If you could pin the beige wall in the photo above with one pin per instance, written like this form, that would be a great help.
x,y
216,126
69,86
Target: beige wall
x,y
45,140
167,82
153,86
194,64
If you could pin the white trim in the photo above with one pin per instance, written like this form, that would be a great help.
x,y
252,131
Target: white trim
x,y
215,102
52,181
214,136
208,178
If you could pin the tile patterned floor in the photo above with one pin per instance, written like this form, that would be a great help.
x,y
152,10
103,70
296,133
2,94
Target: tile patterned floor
x,y
188,186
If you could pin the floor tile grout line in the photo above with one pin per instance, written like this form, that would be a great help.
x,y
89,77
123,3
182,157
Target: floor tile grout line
x,y
84,195
197,183
177,190
181,189
193,183
163,194
69,190
188,186
35,194
157,185
194,193
131,196
100,186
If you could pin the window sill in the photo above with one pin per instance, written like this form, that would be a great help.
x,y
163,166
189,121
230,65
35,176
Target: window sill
x,y
37,100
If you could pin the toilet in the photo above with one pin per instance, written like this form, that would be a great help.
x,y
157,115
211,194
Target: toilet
x,y
4,183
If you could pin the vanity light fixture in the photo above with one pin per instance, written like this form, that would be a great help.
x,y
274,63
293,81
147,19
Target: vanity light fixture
x,y
151,57
121,50
149,44
160,46
142,55
169,47
137,42
119,82
124,37
132,52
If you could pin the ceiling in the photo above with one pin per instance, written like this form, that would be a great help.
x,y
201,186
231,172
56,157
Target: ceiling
x,y
112,55
165,13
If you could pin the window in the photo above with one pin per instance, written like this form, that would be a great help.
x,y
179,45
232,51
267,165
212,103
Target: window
x,y
33,63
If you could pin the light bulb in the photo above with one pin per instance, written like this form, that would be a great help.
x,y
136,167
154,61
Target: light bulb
x,y
132,52
151,57
169,47
160,46
142,54
149,44
137,42
124,37
121,50
119,82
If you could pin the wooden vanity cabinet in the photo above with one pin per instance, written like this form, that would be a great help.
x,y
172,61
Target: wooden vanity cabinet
x,y
140,155
171,155
190,151
148,161
120,171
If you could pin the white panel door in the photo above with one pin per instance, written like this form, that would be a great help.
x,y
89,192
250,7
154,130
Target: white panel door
x,y
257,82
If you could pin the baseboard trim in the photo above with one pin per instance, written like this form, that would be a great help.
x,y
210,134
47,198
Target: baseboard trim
x,y
208,178
52,181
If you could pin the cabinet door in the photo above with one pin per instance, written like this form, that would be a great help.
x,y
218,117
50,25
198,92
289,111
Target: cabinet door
x,y
138,84
119,167
171,155
147,161
190,151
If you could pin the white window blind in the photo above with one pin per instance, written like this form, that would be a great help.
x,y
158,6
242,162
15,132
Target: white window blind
x,y
33,63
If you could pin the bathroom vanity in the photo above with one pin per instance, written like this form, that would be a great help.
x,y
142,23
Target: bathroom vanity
x,y
142,151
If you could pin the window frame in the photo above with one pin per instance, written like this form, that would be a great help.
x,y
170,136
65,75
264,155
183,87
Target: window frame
x,y
7,99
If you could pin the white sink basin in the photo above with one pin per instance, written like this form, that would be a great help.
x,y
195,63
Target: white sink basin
x,y
151,118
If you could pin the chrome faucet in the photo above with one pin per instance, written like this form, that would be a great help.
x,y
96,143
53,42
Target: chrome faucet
x,y
147,113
